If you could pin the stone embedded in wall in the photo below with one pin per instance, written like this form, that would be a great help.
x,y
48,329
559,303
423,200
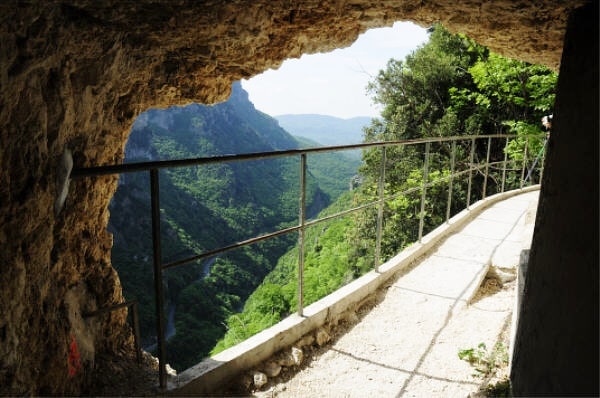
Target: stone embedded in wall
x,y
305,341
297,356
322,337
260,379
272,369
293,357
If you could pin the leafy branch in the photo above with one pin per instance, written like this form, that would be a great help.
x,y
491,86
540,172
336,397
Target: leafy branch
x,y
485,362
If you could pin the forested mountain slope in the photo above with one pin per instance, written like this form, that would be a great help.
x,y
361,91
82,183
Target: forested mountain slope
x,y
206,207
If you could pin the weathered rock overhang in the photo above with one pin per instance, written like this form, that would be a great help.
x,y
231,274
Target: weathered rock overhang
x,y
75,74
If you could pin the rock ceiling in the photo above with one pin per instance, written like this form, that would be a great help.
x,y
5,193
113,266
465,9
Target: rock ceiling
x,y
74,74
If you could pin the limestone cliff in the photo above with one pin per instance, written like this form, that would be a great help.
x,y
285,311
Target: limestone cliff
x,y
74,74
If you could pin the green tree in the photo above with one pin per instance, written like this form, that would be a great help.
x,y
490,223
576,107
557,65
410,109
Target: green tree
x,y
415,94
449,86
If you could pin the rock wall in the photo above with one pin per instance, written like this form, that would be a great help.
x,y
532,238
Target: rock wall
x,y
75,74
559,315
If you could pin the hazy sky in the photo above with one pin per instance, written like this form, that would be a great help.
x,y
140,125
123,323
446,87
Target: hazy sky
x,y
333,83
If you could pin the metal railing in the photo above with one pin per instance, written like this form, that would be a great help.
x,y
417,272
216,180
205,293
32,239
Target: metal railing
x,y
153,168
131,305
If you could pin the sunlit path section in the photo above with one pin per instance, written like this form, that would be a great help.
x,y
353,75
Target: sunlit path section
x,y
407,345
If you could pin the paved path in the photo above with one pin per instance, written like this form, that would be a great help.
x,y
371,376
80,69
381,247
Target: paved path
x,y
407,345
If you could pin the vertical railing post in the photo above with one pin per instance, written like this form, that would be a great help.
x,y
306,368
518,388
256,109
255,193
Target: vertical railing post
x,y
135,320
424,189
543,159
535,162
380,192
524,164
158,280
302,222
487,167
471,157
504,165
451,180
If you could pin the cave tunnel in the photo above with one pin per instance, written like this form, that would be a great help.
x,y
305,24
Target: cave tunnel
x,y
75,74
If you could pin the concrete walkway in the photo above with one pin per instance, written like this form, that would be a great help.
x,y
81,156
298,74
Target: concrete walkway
x,y
408,344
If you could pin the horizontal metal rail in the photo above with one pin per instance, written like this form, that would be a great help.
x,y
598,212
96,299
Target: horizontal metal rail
x,y
154,166
233,246
166,164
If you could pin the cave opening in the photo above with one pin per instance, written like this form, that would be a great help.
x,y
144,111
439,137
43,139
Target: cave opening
x,y
154,124
189,132
74,75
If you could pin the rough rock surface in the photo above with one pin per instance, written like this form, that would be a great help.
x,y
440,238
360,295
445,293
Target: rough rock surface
x,y
75,74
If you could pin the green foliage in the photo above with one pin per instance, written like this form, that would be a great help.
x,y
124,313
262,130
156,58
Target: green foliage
x,y
415,92
504,90
402,211
527,135
450,86
326,268
485,362
265,307
515,85
527,149
206,207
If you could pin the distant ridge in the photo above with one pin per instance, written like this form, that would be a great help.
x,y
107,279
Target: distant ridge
x,y
326,130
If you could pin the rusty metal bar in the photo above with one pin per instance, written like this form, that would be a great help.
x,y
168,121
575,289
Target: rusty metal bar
x,y
158,279
135,319
106,310
257,239
130,304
